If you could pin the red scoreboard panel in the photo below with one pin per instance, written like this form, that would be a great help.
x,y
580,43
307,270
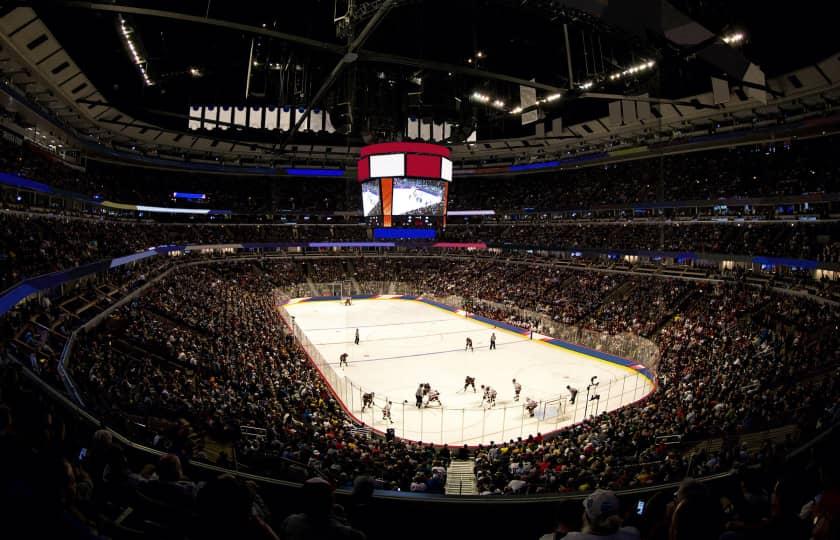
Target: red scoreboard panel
x,y
410,180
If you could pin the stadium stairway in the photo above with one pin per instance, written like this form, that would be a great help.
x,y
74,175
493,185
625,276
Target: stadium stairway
x,y
460,477
751,441
672,312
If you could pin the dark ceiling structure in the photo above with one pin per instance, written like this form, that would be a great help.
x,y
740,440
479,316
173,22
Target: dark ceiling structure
x,y
530,79
407,57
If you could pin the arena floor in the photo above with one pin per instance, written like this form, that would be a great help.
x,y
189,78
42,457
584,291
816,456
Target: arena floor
x,y
405,342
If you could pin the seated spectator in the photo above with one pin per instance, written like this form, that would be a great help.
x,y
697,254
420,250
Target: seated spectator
x,y
602,519
418,484
225,511
317,521
363,516
696,515
171,487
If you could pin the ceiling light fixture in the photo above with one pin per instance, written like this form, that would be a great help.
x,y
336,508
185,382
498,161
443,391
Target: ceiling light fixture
x,y
138,60
632,70
734,38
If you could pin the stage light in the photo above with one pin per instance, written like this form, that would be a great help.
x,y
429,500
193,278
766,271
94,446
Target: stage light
x,y
195,72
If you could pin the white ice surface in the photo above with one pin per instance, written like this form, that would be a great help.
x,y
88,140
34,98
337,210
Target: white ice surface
x,y
407,201
405,343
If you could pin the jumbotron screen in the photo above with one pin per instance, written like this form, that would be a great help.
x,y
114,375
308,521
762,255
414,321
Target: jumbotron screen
x,y
418,197
371,202
404,197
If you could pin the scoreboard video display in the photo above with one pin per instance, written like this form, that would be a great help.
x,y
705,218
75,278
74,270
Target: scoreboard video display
x,y
404,181
404,196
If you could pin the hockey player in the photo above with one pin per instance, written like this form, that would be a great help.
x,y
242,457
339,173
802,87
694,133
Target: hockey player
x,y
469,381
342,360
517,388
493,341
489,396
367,400
434,395
530,405
418,396
491,400
469,345
386,412
348,303
573,392
357,336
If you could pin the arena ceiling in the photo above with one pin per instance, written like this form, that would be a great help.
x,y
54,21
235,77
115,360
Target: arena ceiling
x,y
426,59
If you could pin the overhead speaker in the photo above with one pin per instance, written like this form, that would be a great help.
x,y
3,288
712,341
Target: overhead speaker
x,y
341,117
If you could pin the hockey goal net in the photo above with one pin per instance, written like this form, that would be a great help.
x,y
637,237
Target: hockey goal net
x,y
554,409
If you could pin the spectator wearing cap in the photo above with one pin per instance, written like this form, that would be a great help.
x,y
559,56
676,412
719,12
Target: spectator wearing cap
x,y
602,519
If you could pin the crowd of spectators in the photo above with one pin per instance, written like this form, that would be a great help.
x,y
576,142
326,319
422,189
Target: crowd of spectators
x,y
203,353
781,168
60,478
138,185
732,361
772,169
221,360
34,244
809,240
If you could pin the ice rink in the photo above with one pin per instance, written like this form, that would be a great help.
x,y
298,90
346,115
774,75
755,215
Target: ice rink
x,y
406,342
